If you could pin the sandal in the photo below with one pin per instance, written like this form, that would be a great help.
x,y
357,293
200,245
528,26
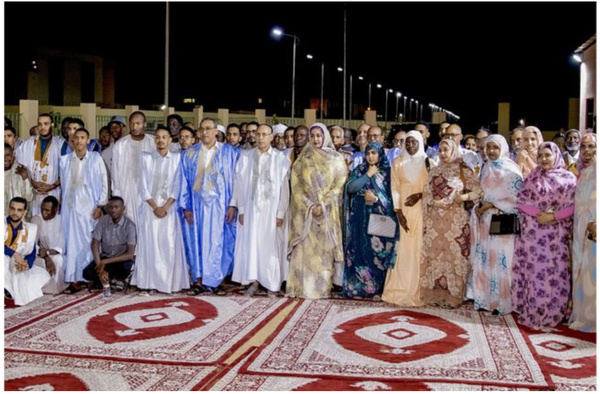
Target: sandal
x,y
219,290
72,289
196,289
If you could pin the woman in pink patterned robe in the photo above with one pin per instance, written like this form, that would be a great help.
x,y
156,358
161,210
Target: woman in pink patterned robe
x,y
540,283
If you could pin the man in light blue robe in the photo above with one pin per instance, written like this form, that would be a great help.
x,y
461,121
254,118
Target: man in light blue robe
x,y
84,191
207,171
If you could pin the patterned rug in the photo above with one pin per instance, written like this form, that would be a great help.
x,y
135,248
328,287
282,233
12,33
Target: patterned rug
x,y
569,356
161,342
354,340
160,328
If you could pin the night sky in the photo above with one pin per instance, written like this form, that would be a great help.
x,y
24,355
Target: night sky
x,y
465,57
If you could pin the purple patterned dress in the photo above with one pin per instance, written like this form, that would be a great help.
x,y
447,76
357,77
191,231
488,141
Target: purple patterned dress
x,y
540,283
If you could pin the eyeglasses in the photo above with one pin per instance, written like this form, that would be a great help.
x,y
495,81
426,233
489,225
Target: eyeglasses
x,y
201,130
452,135
263,135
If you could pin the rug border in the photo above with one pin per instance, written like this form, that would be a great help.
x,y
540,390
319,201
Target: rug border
x,y
47,314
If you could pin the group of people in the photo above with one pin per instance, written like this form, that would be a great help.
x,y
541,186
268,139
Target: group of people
x,y
307,211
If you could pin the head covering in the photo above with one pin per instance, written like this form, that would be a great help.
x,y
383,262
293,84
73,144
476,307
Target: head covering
x,y
413,164
501,179
326,147
117,119
455,150
580,164
501,142
327,142
559,162
221,128
279,129
550,190
383,163
538,134
572,131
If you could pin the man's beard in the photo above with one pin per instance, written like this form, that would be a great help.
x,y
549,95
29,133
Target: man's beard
x,y
572,150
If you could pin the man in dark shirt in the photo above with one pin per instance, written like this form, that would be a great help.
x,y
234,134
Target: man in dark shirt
x,y
113,246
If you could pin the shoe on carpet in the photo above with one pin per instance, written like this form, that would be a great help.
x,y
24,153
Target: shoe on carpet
x,y
336,289
251,290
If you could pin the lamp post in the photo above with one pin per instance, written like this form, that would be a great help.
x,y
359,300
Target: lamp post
x,y
166,99
386,106
369,106
416,110
310,57
398,95
410,109
378,86
277,33
341,70
404,118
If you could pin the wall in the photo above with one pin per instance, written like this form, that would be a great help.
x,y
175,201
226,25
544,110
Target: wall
x,y
587,84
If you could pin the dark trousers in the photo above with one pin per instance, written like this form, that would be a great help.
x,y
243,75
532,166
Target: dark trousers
x,y
117,271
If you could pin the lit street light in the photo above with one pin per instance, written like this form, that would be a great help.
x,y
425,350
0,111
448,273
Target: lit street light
x,y
278,33
398,95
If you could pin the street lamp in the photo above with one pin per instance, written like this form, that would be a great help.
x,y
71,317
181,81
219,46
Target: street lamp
x,y
416,110
309,56
378,86
410,109
386,106
278,33
398,95
404,110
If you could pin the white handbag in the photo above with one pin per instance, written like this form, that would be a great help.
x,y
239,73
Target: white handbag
x,y
381,226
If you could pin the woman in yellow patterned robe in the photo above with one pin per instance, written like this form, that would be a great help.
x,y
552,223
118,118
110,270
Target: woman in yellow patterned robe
x,y
315,239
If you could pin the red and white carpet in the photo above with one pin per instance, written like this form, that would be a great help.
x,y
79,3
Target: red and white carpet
x,y
129,342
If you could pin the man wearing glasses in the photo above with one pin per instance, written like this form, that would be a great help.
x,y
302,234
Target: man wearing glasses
x,y
261,196
373,134
397,145
207,171
250,135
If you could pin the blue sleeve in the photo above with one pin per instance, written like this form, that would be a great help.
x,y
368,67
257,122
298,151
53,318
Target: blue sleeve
x,y
357,184
31,256
8,251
